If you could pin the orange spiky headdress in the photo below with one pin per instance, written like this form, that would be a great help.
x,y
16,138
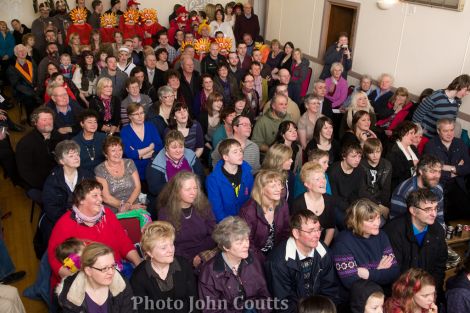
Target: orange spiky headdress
x,y
78,14
202,26
186,43
108,20
148,15
131,16
224,43
202,45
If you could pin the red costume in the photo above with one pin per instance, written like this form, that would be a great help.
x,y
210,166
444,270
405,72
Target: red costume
x,y
83,30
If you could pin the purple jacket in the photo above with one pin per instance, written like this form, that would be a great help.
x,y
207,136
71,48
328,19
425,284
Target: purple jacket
x,y
217,283
340,94
252,213
194,235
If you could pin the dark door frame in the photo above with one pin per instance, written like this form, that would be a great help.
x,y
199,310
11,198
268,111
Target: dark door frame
x,y
326,19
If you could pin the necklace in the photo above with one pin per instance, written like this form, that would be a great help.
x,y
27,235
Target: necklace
x,y
190,214
92,154
113,168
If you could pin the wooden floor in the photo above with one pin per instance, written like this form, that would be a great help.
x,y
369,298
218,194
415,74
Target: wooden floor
x,y
19,231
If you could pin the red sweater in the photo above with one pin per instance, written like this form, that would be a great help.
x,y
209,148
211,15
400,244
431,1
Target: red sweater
x,y
108,231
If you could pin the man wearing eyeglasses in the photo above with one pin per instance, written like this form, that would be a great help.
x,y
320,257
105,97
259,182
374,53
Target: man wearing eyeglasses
x,y
301,266
428,174
417,240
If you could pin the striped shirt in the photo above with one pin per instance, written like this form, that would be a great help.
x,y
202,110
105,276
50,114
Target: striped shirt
x,y
398,204
433,108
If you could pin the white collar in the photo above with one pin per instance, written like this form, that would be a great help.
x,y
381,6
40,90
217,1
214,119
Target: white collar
x,y
291,250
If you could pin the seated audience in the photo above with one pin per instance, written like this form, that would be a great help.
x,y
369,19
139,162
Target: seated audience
x,y
119,177
338,52
323,139
107,105
365,85
286,61
403,155
319,90
458,289
98,286
225,129
241,129
366,297
276,55
199,105
117,77
68,111
34,152
253,98
316,200
455,159
159,112
210,119
231,182
336,86
359,102
57,194
363,250
428,173
398,108
299,72
90,141
211,61
283,89
344,177
317,156
226,84
140,138
315,304
287,135
233,275
376,185
301,253
267,125
417,240
86,76
168,162
163,275
360,129
183,204
133,96
380,96
89,220
414,291
307,122
267,213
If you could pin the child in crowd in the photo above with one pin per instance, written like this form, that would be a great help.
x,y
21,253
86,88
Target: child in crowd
x,y
366,297
229,185
69,253
66,67
57,79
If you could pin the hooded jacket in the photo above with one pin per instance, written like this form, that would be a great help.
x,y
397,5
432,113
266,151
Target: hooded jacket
x,y
71,294
360,293
458,293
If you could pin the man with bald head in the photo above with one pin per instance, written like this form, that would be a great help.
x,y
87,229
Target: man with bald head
x,y
190,79
67,112
246,23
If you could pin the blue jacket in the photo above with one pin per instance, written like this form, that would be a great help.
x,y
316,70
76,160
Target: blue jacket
x,y
221,194
132,144
7,45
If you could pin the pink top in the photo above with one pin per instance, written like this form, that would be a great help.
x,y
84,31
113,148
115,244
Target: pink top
x,y
340,93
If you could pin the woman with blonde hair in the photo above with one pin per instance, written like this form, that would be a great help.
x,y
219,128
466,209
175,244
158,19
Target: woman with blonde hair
x,y
98,287
163,276
359,102
267,213
184,205
279,158
316,200
107,106
364,250
74,47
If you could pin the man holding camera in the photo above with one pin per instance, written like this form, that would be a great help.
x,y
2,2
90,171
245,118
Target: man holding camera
x,y
337,52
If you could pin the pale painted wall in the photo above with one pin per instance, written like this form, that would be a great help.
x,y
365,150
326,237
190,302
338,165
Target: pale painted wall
x,y
421,46
23,9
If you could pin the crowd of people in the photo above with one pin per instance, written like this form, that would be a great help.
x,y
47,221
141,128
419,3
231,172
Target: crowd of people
x,y
264,197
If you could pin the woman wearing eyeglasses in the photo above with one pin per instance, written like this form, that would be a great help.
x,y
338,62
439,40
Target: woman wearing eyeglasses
x,y
159,113
140,138
267,213
364,250
98,287
233,277
90,221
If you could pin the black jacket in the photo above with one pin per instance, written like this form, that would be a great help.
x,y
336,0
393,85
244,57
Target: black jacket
x,y
97,105
189,90
71,294
57,198
431,256
184,285
401,167
376,185
285,278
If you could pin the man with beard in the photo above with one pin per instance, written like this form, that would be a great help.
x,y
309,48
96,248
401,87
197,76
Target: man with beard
x,y
52,56
40,25
61,19
34,152
428,173
266,127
